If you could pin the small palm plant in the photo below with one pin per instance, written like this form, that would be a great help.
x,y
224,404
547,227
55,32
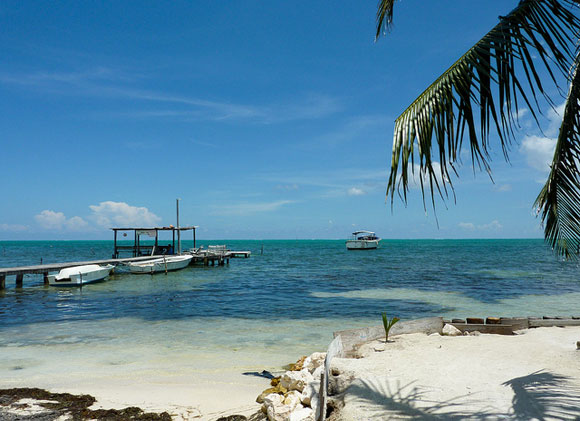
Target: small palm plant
x,y
388,324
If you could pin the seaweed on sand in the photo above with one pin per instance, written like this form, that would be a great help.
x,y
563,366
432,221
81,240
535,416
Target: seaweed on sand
x,y
75,406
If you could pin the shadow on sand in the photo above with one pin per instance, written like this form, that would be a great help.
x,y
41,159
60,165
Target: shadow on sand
x,y
544,396
541,395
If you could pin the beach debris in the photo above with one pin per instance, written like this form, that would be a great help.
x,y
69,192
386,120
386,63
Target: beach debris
x,y
450,330
578,345
233,418
264,373
18,403
298,365
388,324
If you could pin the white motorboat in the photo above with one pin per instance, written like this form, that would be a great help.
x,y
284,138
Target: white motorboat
x,y
80,275
363,240
160,264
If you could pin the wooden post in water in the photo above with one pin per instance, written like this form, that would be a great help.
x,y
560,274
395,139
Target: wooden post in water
x,y
115,254
45,277
19,280
178,230
2,281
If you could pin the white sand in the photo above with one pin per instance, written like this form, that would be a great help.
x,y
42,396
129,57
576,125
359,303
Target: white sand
x,y
183,396
534,375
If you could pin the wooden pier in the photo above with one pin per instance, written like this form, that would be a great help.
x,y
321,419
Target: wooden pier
x,y
204,258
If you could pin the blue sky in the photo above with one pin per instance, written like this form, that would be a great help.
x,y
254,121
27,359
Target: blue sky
x,y
268,120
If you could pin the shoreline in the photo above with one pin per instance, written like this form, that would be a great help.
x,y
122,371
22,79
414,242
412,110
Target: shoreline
x,y
471,376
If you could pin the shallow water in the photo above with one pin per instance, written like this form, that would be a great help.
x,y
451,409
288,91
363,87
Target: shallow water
x,y
262,312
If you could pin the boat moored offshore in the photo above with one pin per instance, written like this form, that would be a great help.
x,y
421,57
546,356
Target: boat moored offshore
x,y
363,240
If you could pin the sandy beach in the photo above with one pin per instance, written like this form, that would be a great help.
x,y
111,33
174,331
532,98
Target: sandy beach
x,y
184,396
532,375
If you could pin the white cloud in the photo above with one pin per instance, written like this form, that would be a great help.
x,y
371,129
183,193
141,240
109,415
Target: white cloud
x,y
76,223
466,226
251,208
108,214
106,82
293,186
13,227
415,175
503,188
492,226
354,191
470,226
51,220
539,151
48,219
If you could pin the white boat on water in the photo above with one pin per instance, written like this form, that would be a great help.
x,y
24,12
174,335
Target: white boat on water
x,y
363,240
160,264
80,275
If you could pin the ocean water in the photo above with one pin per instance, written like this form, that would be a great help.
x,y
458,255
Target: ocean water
x,y
260,312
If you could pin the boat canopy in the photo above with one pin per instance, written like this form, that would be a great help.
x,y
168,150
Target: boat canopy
x,y
362,232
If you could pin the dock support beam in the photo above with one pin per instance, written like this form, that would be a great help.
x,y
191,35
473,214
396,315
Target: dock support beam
x,y
45,277
19,280
2,281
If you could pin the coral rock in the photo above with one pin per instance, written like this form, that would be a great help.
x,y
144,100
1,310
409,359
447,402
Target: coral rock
x,y
279,408
310,393
296,380
302,414
450,330
314,361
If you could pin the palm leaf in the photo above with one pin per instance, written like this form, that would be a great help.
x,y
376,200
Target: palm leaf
x,y
559,200
482,93
384,16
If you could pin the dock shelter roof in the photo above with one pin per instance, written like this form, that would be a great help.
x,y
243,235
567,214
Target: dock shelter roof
x,y
171,228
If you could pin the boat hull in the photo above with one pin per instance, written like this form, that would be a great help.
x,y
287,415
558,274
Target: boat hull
x,y
80,275
167,264
362,244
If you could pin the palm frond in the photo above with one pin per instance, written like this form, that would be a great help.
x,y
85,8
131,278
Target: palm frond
x,y
482,93
384,16
559,201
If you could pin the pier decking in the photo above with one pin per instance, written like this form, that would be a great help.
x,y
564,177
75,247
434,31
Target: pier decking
x,y
204,257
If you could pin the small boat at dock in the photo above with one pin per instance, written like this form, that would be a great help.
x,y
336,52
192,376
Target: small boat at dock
x,y
80,275
363,240
160,264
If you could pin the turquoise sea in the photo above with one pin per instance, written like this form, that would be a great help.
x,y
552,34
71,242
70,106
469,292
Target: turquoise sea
x,y
261,312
